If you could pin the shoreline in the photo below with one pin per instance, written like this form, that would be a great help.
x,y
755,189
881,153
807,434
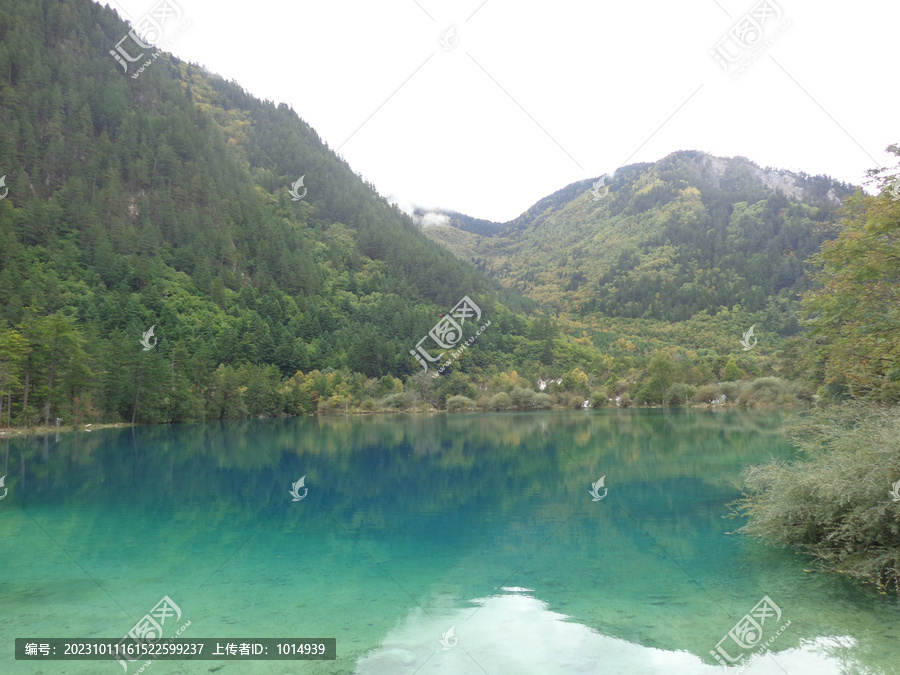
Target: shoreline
x,y
15,432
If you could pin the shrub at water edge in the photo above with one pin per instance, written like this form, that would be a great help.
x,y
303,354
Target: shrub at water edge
x,y
840,503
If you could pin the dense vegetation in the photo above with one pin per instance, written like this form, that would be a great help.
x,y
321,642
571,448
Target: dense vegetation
x,y
854,313
836,504
689,235
840,503
163,202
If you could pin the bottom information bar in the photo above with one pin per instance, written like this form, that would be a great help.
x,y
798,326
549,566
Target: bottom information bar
x,y
177,649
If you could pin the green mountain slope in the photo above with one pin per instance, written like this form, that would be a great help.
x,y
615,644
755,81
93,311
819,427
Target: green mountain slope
x,y
163,201
155,266
669,241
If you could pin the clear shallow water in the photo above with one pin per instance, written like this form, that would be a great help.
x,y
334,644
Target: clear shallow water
x,y
416,524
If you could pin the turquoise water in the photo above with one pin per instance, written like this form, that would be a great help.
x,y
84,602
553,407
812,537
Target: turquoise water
x,y
416,525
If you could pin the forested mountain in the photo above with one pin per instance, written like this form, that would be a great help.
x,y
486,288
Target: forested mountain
x,y
161,260
689,234
163,200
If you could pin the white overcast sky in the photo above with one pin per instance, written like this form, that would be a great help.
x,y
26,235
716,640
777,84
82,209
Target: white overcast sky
x,y
535,95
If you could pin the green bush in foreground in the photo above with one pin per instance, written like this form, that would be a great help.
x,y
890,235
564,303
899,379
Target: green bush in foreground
x,y
522,399
599,398
707,393
400,401
679,394
766,391
500,401
460,403
542,402
835,504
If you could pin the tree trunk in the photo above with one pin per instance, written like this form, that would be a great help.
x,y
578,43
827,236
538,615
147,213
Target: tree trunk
x,y
137,393
49,395
25,395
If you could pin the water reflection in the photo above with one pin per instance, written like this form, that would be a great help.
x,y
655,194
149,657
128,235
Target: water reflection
x,y
515,632
430,510
652,443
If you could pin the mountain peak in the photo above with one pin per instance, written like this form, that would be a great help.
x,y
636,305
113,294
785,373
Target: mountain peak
x,y
792,185
667,240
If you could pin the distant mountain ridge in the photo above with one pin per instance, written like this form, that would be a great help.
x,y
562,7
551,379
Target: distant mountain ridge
x,y
797,186
689,233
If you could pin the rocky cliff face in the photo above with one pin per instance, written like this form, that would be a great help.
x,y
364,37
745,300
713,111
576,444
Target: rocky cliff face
x,y
785,181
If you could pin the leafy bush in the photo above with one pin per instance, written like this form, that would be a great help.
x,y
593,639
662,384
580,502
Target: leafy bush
x,y
336,403
454,384
836,505
732,389
766,391
621,387
599,398
458,403
802,391
389,385
483,402
570,400
706,393
501,401
680,393
522,399
542,402
647,395
400,401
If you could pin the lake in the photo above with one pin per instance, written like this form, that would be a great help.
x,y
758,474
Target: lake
x,y
426,544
